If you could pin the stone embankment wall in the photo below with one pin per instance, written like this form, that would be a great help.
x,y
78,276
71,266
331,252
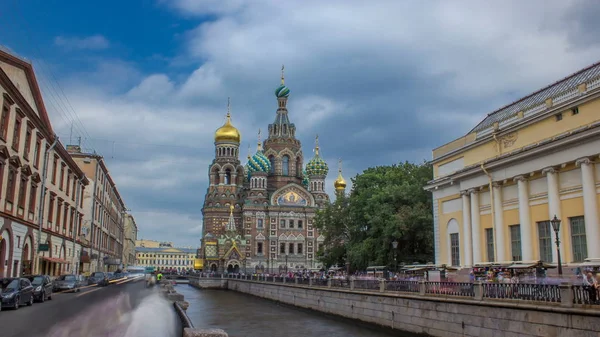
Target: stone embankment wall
x,y
186,328
432,315
207,283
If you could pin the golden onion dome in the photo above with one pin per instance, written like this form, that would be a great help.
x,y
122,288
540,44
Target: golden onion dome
x,y
227,132
339,183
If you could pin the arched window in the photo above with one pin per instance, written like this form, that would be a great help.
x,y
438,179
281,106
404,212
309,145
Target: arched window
x,y
227,176
272,160
285,165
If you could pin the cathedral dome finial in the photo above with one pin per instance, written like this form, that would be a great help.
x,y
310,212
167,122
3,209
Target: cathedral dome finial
x,y
282,90
339,183
317,166
228,132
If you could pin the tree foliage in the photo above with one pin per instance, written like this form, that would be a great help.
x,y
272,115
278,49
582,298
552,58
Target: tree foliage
x,y
386,203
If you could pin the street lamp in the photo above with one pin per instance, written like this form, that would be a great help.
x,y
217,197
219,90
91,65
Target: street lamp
x,y
556,226
395,245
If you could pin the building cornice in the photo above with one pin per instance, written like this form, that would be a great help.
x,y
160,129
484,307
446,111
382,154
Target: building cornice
x,y
527,121
576,137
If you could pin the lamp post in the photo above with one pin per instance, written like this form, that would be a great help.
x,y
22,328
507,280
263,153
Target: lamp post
x,y
286,263
556,226
395,245
347,269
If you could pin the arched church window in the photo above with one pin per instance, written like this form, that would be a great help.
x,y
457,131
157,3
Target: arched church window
x,y
227,176
285,165
272,160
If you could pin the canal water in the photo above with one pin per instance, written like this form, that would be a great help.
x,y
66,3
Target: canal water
x,y
242,315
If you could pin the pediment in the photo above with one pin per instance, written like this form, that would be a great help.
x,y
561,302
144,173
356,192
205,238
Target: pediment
x,y
233,253
15,161
321,238
292,195
260,236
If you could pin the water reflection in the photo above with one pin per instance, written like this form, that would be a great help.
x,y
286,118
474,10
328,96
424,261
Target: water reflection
x,y
248,316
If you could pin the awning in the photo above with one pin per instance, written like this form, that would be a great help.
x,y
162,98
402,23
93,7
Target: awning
x,y
54,260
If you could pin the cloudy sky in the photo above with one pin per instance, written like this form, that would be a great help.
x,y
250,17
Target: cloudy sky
x,y
145,82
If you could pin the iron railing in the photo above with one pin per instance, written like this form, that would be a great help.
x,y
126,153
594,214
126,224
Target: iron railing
x,y
585,295
522,291
402,286
450,288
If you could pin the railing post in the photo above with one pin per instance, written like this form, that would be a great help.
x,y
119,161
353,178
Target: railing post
x,y
328,283
222,276
296,280
274,279
284,279
478,291
382,285
566,295
310,281
422,288
352,284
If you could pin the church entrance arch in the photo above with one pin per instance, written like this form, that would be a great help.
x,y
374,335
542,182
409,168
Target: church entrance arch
x,y
213,268
233,266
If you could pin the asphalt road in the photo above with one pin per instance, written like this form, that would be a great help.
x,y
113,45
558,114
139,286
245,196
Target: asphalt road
x,y
100,304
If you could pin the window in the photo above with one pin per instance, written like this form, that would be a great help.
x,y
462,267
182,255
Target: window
x,y
455,249
299,249
281,223
16,134
291,224
299,223
291,248
515,242
58,209
51,209
73,188
4,121
489,241
54,169
68,183
259,248
272,160
27,143
259,223
578,238
545,241
66,215
62,177
558,117
36,153
575,111
285,165
10,186
227,176
282,248
22,192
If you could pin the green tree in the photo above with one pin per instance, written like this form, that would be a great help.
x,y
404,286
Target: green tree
x,y
386,203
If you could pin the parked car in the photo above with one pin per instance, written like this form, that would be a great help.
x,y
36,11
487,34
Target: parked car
x,y
68,283
42,287
16,292
99,278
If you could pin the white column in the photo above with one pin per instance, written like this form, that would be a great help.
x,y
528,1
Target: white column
x,y
553,205
590,207
475,227
467,259
525,219
499,223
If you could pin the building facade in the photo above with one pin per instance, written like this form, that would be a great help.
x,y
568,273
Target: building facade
x,y
103,223
258,217
41,187
130,238
166,258
496,189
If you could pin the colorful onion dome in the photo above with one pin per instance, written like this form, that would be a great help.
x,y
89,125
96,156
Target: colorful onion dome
x,y
282,91
227,132
247,169
305,179
317,166
259,162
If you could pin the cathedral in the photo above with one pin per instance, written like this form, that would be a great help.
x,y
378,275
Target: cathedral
x,y
258,217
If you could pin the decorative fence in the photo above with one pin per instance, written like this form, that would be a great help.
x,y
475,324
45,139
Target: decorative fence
x,y
564,294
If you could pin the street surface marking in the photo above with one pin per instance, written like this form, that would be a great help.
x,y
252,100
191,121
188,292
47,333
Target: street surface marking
x,y
87,292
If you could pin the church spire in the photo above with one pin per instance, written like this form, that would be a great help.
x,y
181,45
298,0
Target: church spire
x,y
231,223
282,127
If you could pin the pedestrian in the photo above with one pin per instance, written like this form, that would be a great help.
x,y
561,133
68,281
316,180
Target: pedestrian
x,y
159,276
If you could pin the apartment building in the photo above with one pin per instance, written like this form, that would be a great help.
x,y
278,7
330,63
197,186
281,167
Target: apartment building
x,y
105,213
131,231
41,187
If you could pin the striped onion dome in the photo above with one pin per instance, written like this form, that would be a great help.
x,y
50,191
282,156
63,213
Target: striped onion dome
x,y
317,166
282,91
259,162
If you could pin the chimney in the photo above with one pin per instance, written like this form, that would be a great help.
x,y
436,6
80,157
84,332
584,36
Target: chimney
x,y
73,148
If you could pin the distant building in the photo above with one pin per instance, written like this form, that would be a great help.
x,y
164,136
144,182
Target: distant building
x,y
496,189
166,258
30,151
130,229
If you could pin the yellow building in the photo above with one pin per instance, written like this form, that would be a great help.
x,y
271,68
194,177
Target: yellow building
x,y
496,189
166,258
152,244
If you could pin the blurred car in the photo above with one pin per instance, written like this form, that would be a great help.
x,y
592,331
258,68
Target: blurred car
x,y
42,287
99,278
16,292
68,283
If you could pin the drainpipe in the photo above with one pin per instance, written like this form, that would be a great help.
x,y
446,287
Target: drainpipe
x,y
492,207
41,203
76,227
